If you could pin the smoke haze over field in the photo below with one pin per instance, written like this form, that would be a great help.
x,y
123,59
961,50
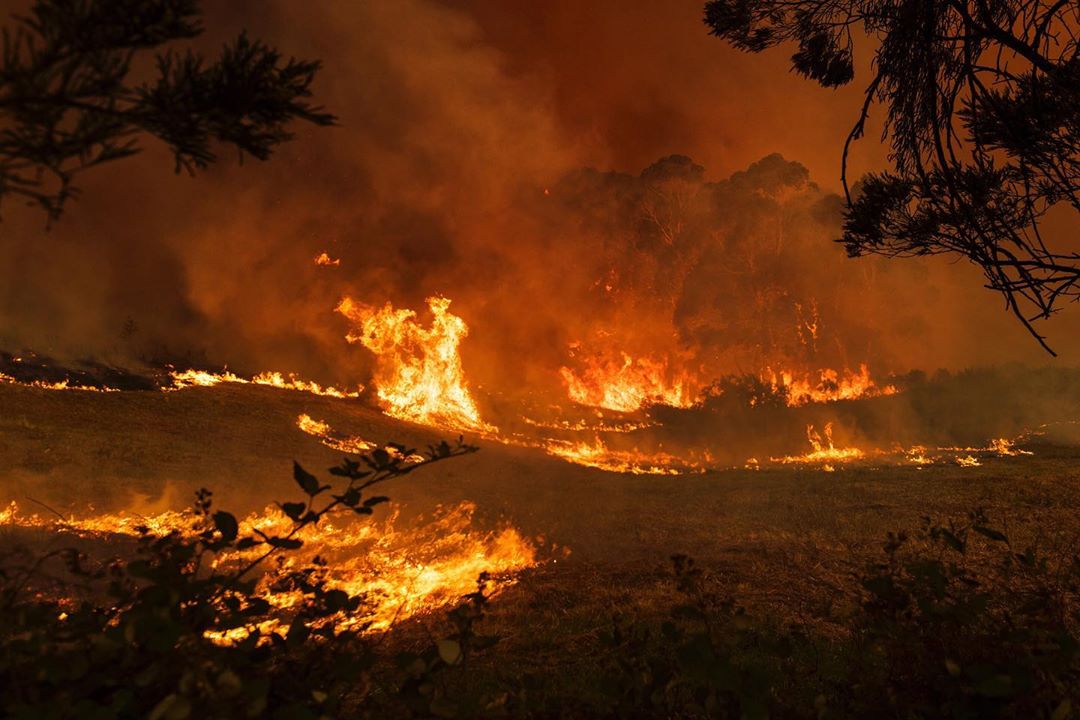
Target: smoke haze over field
x,y
455,119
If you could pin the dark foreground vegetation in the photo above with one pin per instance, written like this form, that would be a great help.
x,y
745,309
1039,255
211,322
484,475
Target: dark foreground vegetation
x,y
949,620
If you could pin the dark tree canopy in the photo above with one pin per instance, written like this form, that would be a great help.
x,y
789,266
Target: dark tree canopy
x,y
982,111
68,101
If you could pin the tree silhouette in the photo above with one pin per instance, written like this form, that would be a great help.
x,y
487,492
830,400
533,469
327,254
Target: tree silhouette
x,y
982,104
68,101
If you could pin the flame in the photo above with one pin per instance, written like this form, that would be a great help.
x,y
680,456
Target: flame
x,y
403,572
597,455
823,450
62,385
203,378
917,455
353,445
325,260
830,386
418,371
627,384
1004,447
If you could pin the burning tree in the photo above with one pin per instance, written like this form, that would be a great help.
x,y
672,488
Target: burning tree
x,y
982,107
68,101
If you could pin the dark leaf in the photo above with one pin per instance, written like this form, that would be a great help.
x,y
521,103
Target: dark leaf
x,y
226,525
293,509
307,482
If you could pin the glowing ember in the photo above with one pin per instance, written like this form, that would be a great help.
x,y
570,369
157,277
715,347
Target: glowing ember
x,y
418,372
325,260
585,426
823,450
830,386
626,384
402,572
203,378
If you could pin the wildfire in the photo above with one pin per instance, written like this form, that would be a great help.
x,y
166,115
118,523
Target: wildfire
x,y
402,572
597,455
917,456
968,457
823,450
1004,447
350,444
202,378
61,385
316,428
626,384
418,372
830,386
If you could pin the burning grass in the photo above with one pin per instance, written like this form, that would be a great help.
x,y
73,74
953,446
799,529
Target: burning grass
x,y
597,455
203,378
400,569
787,543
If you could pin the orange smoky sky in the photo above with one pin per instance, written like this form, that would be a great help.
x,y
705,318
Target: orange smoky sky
x,y
633,82
454,118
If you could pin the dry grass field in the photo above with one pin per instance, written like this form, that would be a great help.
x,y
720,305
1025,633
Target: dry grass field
x,y
790,544
781,536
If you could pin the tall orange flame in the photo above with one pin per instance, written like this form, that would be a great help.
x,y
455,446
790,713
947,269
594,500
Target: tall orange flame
x,y
626,384
418,373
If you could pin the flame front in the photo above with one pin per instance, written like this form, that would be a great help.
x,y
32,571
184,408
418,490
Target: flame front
x,y
597,455
626,384
203,378
316,428
830,386
418,372
61,385
402,572
823,451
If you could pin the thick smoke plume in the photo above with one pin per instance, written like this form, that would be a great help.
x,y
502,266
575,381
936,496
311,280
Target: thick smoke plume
x,y
460,169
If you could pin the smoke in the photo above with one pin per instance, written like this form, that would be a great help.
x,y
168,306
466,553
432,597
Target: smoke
x,y
455,120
